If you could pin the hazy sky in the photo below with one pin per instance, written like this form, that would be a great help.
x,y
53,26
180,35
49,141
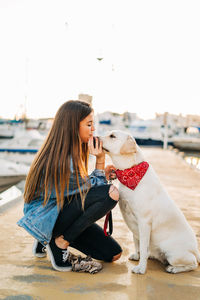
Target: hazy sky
x,y
150,50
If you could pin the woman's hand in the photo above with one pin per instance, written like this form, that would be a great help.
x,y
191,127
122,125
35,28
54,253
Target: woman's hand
x,y
97,149
110,172
98,152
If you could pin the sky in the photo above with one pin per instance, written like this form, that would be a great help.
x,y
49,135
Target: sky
x,y
149,48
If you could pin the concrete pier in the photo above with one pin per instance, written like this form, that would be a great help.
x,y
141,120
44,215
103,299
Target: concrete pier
x,y
24,277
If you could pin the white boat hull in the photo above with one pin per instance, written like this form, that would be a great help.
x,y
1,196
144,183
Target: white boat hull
x,y
7,181
187,144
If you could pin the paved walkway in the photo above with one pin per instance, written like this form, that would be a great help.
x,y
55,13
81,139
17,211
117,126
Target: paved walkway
x,y
24,277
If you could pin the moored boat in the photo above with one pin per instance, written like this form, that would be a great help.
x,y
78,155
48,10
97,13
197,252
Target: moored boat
x,y
11,173
25,141
6,131
187,143
149,133
189,139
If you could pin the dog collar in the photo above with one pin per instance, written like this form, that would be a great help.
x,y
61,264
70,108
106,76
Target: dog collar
x,y
132,176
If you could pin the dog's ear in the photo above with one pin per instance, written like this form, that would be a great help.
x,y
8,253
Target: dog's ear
x,y
129,146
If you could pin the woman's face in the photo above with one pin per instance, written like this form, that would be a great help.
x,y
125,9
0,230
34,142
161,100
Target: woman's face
x,y
86,128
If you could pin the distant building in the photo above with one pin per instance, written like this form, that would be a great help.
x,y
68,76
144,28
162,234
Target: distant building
x,y
86,98
179,120
128,118
193,120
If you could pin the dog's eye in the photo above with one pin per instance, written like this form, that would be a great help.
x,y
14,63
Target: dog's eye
x,y
112,136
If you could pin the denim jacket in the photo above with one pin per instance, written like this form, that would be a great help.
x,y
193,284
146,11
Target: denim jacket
x,y
39,220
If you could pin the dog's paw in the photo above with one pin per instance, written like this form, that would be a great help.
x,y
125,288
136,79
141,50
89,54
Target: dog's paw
x,y
171,269
134,256
139,269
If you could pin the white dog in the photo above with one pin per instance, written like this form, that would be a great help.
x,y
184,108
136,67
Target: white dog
x,y
159,228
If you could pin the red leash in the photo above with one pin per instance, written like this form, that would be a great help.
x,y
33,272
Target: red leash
x,y
129,177
108,220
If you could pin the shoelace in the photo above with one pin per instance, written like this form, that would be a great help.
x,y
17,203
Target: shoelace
x,y
65,254
44,249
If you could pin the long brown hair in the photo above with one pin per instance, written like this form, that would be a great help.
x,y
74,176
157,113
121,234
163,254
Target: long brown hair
x,y
51,166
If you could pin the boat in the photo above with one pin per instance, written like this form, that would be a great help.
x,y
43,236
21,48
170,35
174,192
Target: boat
x,y
187,143
25,141
11,173
188,139
150,133
8,128
6,131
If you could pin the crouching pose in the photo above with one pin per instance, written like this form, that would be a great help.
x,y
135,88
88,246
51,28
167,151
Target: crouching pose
x,y
63,202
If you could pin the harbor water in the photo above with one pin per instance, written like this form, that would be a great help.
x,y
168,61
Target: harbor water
x,y
193,159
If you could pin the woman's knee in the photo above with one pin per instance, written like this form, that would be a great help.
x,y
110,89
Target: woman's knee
x,y
114,193
116,257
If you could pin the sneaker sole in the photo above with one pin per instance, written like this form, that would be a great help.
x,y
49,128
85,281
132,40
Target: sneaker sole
x,y
40,255
57,268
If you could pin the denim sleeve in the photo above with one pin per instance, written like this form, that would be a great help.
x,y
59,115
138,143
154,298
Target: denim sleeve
x,y
97,177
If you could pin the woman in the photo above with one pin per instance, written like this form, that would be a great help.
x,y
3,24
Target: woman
x,y
63,202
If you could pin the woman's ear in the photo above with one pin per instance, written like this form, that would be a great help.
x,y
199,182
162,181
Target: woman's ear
x,y
129,146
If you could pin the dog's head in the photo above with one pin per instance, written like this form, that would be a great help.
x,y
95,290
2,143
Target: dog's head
x,y
118,142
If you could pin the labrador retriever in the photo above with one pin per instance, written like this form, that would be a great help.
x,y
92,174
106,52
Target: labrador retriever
x,y
160,230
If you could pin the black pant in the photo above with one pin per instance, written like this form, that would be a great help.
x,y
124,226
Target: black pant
x,y
78,228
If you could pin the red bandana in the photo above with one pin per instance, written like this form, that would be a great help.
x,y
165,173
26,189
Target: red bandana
x,y
132,176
